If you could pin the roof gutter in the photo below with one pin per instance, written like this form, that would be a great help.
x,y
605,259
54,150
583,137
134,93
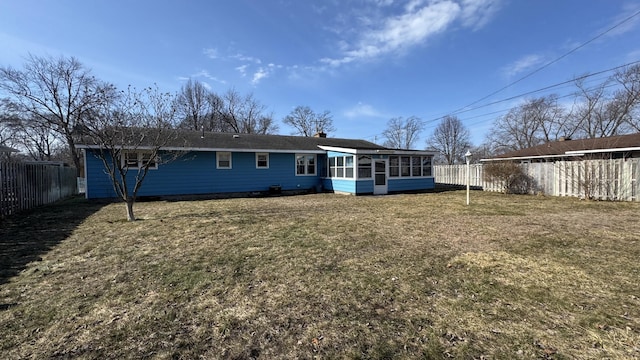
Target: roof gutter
x,y
173,148
533,157
595,151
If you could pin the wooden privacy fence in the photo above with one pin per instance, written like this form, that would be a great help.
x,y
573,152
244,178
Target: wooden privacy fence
x,y
24,186
614,179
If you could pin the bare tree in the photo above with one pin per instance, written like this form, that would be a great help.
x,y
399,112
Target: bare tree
x,y
59,92
451,139
551,117
128,135
193,105
599,112
402,133
529,124
36,136
307,122
245,114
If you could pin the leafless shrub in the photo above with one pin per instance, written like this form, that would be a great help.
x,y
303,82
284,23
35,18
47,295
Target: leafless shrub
x,y
511,175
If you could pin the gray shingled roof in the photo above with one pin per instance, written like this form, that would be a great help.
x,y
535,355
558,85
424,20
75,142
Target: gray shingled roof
x,y
559,148
270,142
211,140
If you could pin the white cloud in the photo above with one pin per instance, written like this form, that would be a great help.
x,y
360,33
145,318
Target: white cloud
x,y
242,69
264,72
477,13
363,110
210,53
418,21
205,74
260,74
245,58
627,23
523,64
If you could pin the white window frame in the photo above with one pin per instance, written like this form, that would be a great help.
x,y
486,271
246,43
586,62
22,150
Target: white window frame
x,y
370,167
306,164
258,163
339,168
140,161
218,158
412,174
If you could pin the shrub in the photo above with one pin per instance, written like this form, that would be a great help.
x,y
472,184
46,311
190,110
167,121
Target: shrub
x,y
510,175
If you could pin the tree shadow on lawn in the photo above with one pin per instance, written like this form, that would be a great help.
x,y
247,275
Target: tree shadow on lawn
x,y
26,236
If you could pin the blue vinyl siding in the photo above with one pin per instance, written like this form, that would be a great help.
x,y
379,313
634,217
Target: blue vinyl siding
x,y
349,186
410,184
196,173
341,185
364,186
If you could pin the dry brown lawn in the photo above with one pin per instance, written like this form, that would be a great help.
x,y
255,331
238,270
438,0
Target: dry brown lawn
x,y
324,276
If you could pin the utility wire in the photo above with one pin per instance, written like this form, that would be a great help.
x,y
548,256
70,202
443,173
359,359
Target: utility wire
x,y
547,64
546,87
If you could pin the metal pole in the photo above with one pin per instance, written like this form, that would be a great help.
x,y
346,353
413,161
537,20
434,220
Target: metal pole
x,y
468,180
468,157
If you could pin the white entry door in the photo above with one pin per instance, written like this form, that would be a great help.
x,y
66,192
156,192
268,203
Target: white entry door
x,y
379,176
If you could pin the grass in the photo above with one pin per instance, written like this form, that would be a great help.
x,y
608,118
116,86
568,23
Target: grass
x,y
328,276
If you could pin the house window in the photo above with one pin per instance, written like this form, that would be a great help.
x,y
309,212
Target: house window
x,y
364,166
262,160
405,166
130,160
223,160
341,166
305,164
149,160
138,160
332,167
348,167
394,166
426,166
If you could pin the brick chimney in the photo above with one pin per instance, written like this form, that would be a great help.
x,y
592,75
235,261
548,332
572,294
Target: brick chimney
x,y
320,134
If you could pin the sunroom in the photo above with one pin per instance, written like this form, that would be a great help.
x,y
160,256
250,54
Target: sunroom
x,y
375,171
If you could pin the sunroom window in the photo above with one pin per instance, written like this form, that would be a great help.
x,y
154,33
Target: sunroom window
x,y
364,166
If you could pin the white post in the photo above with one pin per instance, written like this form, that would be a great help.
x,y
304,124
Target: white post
x,y
468,157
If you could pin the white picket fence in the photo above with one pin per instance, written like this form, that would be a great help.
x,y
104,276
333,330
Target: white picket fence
x,y
615,179
25,186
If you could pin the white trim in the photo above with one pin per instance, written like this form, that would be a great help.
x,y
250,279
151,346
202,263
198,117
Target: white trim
x,y
139,158
218,160
581,152
268,160
172,148
306,164
86,183
533,157
376,151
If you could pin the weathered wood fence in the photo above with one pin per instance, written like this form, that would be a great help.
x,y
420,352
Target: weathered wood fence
x,y
24,186
615,179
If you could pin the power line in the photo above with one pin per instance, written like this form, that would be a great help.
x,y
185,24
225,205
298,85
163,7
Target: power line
x,y
549,63
545,88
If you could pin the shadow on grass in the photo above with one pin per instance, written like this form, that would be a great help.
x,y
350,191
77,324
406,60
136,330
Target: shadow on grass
x,y
26,236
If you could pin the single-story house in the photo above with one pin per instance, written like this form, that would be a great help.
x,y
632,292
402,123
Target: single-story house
x,y
614,147
6,149
223,163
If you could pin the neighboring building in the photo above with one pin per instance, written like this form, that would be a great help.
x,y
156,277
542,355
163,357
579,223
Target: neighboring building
x,y
222,163
614,147
6,149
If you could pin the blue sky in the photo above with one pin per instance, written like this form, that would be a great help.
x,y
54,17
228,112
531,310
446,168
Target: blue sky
x,y
365,61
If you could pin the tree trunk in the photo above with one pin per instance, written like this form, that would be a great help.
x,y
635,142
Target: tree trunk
x,y
130,216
